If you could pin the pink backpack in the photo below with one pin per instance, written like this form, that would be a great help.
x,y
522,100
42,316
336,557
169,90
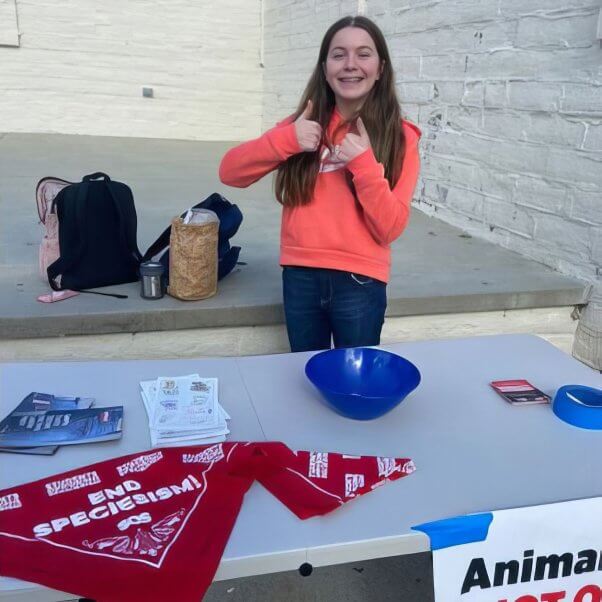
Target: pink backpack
x,y
49,252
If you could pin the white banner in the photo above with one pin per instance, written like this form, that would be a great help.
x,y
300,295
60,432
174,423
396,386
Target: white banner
x,y
550,553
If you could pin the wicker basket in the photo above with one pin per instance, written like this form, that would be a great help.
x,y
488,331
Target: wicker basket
x,y
193,260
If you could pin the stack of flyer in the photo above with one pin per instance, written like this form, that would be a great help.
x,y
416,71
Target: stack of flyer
x,y
184,410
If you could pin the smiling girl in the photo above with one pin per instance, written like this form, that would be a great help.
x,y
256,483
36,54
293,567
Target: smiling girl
x,y
347,166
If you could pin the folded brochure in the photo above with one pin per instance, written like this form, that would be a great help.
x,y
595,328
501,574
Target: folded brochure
x,y
46,421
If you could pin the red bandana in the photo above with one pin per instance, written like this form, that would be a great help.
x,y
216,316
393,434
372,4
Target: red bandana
x,y
152,527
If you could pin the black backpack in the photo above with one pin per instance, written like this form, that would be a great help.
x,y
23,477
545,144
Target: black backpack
x,y
97,235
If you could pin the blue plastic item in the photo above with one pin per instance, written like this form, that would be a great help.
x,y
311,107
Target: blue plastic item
x,y
579,405
360,382
457,530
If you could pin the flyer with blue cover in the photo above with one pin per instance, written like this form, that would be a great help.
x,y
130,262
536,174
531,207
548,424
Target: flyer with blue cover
x,y
43,421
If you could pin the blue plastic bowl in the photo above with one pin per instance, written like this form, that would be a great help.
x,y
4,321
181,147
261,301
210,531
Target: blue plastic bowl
x,y
579,405
360,382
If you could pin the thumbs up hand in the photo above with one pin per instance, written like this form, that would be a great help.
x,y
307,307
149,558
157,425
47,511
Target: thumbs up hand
x,y
354,144
309,133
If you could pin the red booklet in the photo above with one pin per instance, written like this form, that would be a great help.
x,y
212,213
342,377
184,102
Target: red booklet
x,y
519,392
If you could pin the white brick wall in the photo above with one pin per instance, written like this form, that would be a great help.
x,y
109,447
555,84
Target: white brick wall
x,y
81,66
528,124
9,33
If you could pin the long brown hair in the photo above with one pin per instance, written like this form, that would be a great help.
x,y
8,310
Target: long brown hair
x,y
296,177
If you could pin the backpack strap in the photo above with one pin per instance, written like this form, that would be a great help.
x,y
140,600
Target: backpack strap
x,y
161,243
44,203
97,175
128,236
62,264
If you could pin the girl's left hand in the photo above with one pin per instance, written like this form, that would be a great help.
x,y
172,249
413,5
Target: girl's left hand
x,y
353,144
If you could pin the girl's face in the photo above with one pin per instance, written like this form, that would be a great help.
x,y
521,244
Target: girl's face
x,y
352,66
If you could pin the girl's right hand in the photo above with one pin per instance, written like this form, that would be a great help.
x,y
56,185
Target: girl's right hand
x,y
309,133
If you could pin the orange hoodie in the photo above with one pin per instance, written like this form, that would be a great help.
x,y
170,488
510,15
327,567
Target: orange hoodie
x,y
334,230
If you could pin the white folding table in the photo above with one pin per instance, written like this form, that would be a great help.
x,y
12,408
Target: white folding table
x,y
473,451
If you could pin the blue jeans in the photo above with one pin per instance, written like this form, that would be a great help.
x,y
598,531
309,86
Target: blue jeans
x,y
320,304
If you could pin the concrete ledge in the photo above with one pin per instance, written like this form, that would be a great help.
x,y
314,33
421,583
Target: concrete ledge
x,y
168,317
553,324
436,268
